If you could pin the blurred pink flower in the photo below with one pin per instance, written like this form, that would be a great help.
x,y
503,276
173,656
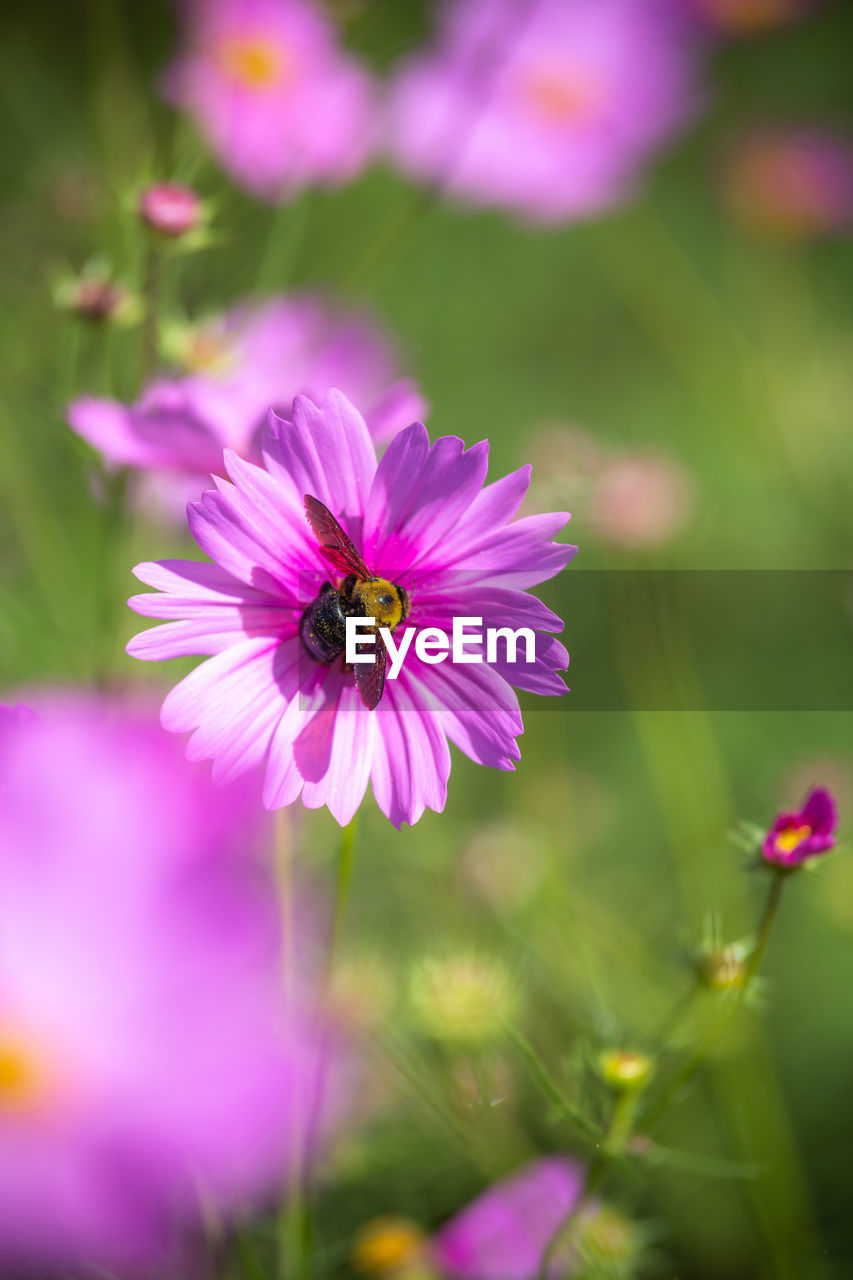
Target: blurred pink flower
x,y
420,516
277,100
252,357
171,209
148,1053
550,109
640,501
796,836
504,1232
793,184
636,501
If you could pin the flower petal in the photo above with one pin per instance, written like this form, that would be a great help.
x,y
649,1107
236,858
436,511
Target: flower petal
x,y
325,451
419,492
411,759
233,701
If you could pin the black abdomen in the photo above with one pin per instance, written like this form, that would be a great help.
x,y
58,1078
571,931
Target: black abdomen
x,y
322,626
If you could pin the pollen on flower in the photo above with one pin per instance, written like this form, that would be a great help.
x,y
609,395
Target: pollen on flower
x,y
388,1245
22,1075
560,94
254,64
788,840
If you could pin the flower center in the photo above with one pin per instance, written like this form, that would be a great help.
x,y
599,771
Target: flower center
x,y
254,64
791,837
22,1077
560,94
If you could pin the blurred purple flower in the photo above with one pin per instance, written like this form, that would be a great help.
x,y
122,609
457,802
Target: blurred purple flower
x,y
420,516
799,835
549,108
277,100
504,1232
793,184
148,1054
253,356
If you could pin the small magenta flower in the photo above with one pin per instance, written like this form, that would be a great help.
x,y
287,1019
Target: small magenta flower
x,y
149,1053
421,519
549,109
503,1234
795,837
277,100
240,363
171,209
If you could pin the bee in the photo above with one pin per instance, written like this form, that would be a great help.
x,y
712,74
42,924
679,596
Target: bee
x,y
322,627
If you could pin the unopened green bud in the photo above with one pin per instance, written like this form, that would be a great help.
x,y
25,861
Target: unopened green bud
x,y
723,968
625,1069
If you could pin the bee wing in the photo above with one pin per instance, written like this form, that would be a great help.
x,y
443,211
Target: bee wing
x,y
334,543
370,676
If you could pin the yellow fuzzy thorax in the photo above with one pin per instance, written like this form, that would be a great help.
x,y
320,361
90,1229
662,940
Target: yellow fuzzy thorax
x,y
381,600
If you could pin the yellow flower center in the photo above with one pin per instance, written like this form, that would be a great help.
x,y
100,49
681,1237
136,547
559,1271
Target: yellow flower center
x,y
560,94
22,1076
789,838
387,1245
254,64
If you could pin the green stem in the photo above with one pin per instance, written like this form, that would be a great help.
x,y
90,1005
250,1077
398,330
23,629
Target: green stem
x,y
771,908
549,1086
342,890
612,1147
151,292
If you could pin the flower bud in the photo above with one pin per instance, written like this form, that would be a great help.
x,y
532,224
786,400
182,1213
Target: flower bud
x,y
799,835
171,209
625,1069
95,297
723,968
466,999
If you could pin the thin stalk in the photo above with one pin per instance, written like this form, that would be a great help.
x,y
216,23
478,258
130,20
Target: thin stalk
x,y
683,1077
549,1086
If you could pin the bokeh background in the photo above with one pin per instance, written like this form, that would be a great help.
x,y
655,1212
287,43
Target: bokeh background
x,y
667,329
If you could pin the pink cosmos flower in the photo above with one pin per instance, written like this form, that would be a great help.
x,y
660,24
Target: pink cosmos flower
x,y
276,99
791,185
147,1051
421,517
504,1232
549,108
794,837
254,356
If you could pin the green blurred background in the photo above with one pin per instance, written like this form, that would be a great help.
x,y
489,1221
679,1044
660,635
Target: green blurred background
x,y
594,870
